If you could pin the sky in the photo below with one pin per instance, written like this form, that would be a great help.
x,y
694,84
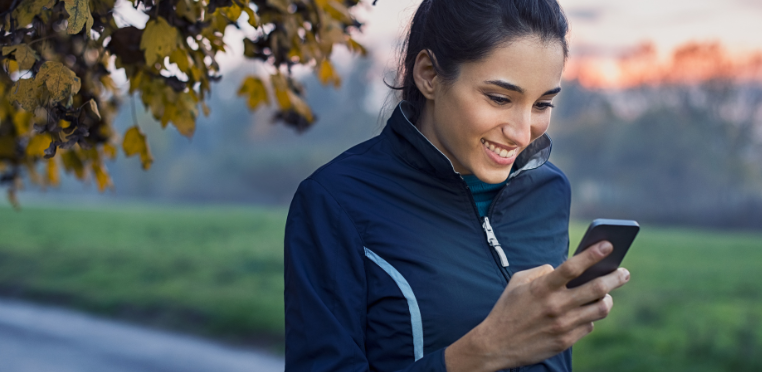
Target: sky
x,y
608,26
600,29
603,28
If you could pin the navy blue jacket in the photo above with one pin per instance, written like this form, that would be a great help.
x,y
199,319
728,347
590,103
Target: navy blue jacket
x,y
387,261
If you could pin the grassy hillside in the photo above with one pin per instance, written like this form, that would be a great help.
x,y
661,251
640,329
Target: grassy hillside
x,y
694,302
215,271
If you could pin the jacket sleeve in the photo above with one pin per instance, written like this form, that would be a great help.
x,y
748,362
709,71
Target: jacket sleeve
x,y
325,288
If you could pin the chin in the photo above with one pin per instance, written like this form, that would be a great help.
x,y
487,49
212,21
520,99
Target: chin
x,y
493,176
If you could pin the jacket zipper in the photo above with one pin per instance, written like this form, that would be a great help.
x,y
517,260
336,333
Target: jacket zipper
x,y
492,240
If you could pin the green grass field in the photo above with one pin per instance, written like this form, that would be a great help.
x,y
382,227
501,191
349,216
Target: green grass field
x,y
694,302
213,271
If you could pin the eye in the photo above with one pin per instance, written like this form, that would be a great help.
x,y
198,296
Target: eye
x,y
542,106
499,100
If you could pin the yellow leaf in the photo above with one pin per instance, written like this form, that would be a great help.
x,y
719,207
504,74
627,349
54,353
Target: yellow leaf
x,y
232,12
311,46
296,53
109,150
287,99
21,120
13,67
158,41
195,72
94,107
356,47
53,172
108,83
281,91
291,26
31,172
188,9
25,56
167,114
185,122
38,144
73,163
330,33
327,74
79,16
282,5
206,109
27,93
180,58
301,107
193,96
255,89
135,143
253,17
101,177
182,113
336,10
61,82
217,21
27,9
135,81
7,147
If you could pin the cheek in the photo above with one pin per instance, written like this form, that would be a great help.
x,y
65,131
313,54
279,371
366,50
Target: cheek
x,y
464,115
540,125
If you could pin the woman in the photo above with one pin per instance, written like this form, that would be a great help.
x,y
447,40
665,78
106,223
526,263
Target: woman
x,y
432,246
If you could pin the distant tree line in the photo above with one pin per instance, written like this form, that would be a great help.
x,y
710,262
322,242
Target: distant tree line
x,y
692,154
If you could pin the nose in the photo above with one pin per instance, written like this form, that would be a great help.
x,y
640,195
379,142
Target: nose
x,y
519,127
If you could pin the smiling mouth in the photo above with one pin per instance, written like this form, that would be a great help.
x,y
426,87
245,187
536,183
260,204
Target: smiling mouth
x,y
498,150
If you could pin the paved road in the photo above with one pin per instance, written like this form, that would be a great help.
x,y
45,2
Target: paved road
x,y
44,339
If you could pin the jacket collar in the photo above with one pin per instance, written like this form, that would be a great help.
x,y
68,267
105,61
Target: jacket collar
x,y
416,150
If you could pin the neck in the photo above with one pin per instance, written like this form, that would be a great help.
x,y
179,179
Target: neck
x,y
425,123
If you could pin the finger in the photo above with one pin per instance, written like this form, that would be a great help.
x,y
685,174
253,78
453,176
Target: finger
x,y
579,332
593,311
571,337
577,265
600,287
527,276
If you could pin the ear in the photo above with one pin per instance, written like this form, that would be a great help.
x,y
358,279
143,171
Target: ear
x,y
424,74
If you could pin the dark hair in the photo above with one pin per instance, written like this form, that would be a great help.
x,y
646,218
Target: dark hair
x,y
458,31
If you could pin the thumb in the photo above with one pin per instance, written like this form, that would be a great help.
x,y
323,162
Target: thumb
x,y
527,276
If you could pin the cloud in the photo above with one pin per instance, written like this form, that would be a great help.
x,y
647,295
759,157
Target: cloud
x,y
584,14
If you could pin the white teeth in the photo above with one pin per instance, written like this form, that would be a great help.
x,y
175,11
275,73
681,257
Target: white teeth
x,y
503,153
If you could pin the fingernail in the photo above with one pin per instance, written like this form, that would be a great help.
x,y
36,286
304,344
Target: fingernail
x,y
626,275
606,248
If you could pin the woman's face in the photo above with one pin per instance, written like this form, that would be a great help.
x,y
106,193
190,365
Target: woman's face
x,y
494,109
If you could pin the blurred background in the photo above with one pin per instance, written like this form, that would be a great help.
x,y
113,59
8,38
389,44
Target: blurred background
x,y
660,120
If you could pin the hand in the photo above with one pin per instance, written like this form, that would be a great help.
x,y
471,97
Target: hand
x,y
537,317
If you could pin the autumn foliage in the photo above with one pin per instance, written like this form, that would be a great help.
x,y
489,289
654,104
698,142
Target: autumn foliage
x,y
59,99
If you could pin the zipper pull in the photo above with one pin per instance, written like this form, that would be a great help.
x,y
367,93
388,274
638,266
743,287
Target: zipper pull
x,y
492,239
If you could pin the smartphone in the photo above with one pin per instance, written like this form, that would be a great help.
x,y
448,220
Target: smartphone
x,y
620,233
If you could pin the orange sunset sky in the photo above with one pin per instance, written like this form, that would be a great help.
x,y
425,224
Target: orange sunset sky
x,y
728,34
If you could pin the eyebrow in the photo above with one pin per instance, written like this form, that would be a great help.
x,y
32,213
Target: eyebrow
x,y
508,86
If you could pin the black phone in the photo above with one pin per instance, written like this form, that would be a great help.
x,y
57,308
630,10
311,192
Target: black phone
x,y
620,233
